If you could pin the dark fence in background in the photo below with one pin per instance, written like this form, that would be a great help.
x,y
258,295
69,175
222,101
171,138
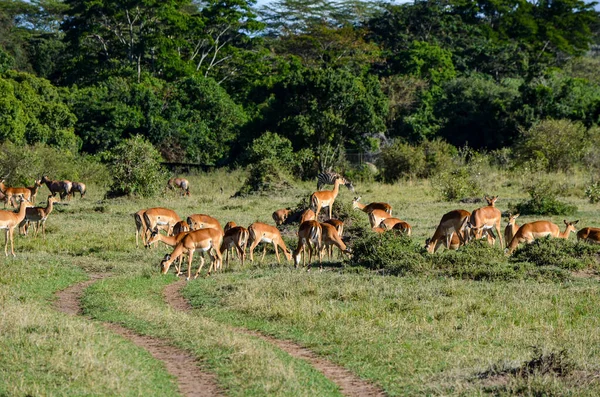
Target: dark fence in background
x,y
187,168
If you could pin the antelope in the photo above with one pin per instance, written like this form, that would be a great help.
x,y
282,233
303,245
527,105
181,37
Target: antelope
x,y
181,183
9,220
378,230
376,216
325,198
140,226
589,234
180,227
171,241
309,235
201,221
164,218
63,188
79,187
370,207
486,218
453,222
308,215
261,232
539,229
229,225
39,215
236,238
339,227
397,224
11,193
204,240
455,243
511,229
331,237
280,216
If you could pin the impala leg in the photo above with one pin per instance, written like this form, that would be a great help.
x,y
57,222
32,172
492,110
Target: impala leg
x,y
240,252
201,266
12,243
190,257
252,246
264,252
6,242
276,252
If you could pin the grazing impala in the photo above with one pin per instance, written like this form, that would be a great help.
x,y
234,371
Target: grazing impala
x,y
486,218
79,187
330,237
280,216
171,241
180,183
454,242
63,188
589,234
511,229
37,215
453,222
397,224
370,207
11,193
236,238
201,221
9,220
530,231
261,232
339,226
164,218
309,236
325,198
308,215
376,216
203,240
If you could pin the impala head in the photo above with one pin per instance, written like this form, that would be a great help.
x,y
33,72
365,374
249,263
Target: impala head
x,y
571,225
153,238
355,201
45,179
491,200
429,246
512,218
165,264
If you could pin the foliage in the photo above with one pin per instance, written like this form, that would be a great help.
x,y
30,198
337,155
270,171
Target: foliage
x,y
464,178
135,169
271,146
401,160
592,192
557,252
543,201
266,176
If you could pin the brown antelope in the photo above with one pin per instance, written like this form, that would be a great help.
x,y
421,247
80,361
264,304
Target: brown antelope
x,y
376,216
63,188
397,224
171,241
9,220
181,183
511,228
325,198
261,232
235,238
37,215
164,218
370,207
180,227
308,215
330,237
280,216
203,240
530,231
140,227
309,236
453,222
455,243
201,221
11,193
589,234
78,187
486,218
339,226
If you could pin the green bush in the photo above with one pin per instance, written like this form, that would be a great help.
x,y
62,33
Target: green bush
x,y
438,156
266,176
543,201
559,253
401,160
592,192
464,178
135,169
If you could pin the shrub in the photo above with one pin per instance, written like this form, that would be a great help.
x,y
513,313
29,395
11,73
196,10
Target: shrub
x,y
438,156
265,176
401,160
271,146
464,177
544,202
135,168
557,252
592,192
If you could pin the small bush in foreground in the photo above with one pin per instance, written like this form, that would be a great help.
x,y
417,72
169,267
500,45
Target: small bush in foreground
x,y
563,254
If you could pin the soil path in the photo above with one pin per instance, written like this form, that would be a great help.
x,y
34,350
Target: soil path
x,y
190,379
350,384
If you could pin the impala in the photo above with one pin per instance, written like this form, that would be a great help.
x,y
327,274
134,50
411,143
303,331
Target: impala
x,y
325,198
11,193
589,234
453,244
539,229
180,227
330,237
511,229
37,215
308,215
164,218
201,221
229,225
140,226
453,222
486,218
63,188
203,240
280,216
397,224
79,187
309,236
261,232
171,241
9,220
378,230
339,226
376,216
236,238
370,207
181,183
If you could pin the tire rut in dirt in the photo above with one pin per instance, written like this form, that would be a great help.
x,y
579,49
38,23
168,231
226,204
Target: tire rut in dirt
x,y
349,384
191,381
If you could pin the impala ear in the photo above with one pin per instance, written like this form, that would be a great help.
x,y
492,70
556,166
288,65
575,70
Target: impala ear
x,y
565,221
576,222
516,216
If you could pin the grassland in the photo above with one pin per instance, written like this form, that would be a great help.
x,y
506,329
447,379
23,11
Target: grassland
x,y
418,334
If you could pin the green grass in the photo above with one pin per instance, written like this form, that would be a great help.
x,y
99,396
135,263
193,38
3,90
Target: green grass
x,y
456,323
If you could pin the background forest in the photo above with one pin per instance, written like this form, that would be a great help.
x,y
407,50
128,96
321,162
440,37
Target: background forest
x,y
299,84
